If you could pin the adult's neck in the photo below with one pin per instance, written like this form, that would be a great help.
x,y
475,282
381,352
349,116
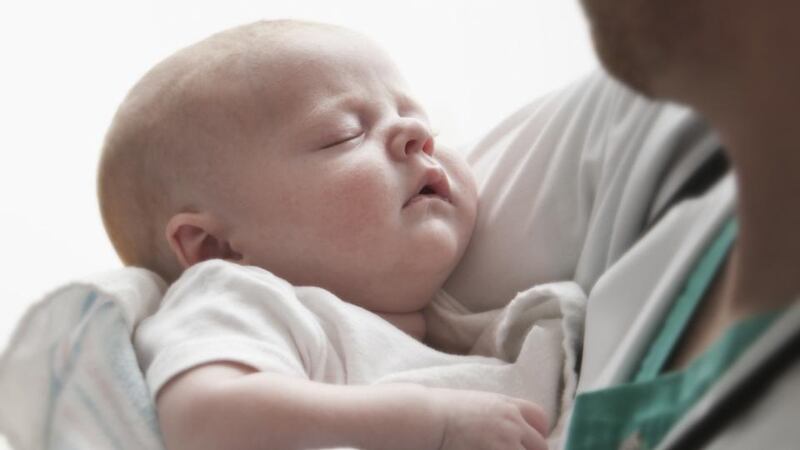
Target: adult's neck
x,y
760,132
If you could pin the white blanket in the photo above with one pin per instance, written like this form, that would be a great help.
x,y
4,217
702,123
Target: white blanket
x,y
69,377
540,331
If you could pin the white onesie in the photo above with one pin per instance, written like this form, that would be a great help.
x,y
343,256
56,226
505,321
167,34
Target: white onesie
x,y
219,311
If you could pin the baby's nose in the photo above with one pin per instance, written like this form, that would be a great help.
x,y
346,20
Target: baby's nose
x,y
409,136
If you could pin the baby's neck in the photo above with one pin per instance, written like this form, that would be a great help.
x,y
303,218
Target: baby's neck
x,y
412,323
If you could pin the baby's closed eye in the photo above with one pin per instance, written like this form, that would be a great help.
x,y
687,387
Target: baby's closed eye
x,y
333,142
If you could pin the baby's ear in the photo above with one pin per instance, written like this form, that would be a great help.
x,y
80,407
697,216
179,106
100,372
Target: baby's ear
x,y
195,237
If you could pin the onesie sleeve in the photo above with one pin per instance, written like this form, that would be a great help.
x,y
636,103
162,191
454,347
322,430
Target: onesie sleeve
x,y
218,311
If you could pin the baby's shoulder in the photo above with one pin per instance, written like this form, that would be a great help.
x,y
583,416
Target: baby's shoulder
x,y
218,283
222,273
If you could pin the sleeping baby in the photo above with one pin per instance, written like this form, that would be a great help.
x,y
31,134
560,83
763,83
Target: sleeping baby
x,y
281,176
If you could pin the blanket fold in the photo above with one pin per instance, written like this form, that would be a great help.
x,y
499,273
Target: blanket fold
x,y
69,378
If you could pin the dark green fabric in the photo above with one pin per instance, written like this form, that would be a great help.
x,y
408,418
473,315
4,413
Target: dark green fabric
x,y
641,412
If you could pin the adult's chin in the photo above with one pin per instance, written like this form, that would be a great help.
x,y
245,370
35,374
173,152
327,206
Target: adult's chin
x,y
627,42
625,65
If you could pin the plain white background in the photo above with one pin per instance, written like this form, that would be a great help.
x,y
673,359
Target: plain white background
x,y
67,65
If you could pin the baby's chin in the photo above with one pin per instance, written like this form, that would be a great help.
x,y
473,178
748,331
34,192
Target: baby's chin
x,y
404,294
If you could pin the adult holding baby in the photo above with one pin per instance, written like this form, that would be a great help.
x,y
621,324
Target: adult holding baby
x,y
612,175
633,277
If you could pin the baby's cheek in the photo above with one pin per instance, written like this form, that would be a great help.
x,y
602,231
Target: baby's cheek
x,y
463,182
357,205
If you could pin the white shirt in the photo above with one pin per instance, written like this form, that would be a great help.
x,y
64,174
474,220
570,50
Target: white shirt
x,y
567,184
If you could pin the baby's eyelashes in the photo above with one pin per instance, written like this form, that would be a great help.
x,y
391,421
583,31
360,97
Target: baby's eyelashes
x,y
340,141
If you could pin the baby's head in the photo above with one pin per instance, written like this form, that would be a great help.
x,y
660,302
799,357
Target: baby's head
x,y
295,147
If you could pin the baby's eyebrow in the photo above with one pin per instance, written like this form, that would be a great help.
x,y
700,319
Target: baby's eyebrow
x,y
404,103
343,102
407,104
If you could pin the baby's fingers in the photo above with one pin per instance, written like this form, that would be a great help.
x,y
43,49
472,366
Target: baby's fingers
x,y
533,440
535,416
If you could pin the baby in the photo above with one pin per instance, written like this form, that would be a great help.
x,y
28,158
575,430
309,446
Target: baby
x,y
272,170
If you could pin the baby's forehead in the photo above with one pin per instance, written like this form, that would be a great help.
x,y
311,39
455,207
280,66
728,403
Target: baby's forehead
x,y
312,69
246,85
309,56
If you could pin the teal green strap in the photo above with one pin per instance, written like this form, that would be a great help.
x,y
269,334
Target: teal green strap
x,y
645,411
679,317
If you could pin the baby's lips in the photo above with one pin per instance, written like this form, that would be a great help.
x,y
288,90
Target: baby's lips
x,y
442,185
435,180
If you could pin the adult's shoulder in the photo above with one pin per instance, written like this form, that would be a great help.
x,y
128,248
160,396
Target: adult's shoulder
x,y
566,185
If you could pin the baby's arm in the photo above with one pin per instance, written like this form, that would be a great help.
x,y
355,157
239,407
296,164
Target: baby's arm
x,y
233,407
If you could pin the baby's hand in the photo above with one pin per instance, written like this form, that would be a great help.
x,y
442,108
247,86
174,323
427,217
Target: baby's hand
x,y
483,421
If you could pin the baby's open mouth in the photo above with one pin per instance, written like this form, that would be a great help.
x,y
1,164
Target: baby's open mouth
x,y
427,190
433,184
